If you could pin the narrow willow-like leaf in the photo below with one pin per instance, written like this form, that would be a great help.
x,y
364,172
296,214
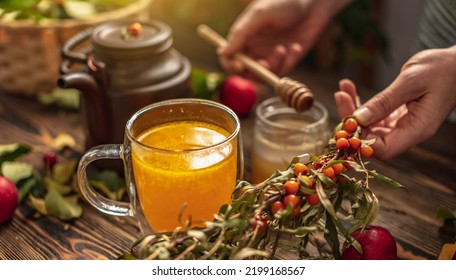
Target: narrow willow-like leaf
x,y
245,253
332,237
382,178
324,200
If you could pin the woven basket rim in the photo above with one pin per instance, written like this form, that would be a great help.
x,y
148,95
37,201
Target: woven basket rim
x,y
69,23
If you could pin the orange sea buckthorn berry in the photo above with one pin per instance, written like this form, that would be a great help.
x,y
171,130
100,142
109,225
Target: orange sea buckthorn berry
x,y
366,151
291,186
341,134
276,206
295,212
300,168
338,168
342,144
350,125
354,142
292,199
328,171
308,182
312,199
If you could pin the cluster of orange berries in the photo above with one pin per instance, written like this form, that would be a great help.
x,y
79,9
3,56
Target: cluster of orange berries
x,y
302,186
346,140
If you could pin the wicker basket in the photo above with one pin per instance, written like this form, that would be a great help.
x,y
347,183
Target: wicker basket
x,y
30,52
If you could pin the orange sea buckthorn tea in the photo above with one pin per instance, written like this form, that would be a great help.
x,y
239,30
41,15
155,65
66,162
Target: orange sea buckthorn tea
x,y
182,160
179,171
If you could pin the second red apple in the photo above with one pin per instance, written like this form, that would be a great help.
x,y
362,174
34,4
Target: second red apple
x,y
239,94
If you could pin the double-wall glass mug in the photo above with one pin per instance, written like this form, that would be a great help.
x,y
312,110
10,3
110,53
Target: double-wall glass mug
x,y
281,133
182,159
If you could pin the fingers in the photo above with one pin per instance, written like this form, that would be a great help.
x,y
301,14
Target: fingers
x,y
293,54
346,98
345,104
380,106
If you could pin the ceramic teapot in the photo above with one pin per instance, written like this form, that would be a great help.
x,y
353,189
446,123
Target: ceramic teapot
x,y
120,67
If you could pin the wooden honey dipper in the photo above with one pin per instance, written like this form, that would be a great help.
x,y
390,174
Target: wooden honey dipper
x,y
293,93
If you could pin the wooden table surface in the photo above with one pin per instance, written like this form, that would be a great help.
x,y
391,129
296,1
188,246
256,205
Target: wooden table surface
x,y
427,170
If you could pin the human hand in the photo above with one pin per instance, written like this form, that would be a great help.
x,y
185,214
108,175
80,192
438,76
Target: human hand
x,y
277,33
412,108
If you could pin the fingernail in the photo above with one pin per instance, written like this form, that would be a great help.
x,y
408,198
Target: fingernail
x,y
363,115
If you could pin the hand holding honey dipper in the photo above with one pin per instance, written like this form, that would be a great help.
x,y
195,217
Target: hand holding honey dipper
x,y
292,93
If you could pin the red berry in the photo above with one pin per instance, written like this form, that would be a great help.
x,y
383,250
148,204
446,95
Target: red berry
x,y
261,222
342,144
295,212
135,29
292,199
276,206
312,199
239,94
8,199
49,158
316,165
377,244
346,164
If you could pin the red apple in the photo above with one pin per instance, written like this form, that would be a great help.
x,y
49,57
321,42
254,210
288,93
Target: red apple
x,y
8,199
377,243
239,94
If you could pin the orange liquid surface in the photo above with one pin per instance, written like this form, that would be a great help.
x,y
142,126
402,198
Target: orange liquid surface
x,y
165,182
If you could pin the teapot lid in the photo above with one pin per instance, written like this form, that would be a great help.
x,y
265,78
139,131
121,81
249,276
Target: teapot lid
x,y
124,40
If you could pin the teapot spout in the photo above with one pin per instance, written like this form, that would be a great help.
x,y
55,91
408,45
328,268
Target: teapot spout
x,y
94,105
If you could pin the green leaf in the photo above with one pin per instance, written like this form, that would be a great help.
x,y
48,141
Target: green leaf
x,y
64,98
79,9
108,182
62,189
60,207
38,204
63,171
381,178
62,141
16,171
24,187
204,84
324,200
332,237
10,152
244,253
446,214
13,5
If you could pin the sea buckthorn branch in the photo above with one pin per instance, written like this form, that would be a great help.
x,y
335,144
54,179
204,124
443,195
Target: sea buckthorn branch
x,y
318,201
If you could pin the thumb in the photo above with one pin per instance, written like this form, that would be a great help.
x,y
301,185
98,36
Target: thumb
x,y
384,103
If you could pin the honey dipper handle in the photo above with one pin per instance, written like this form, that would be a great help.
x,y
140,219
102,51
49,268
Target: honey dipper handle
x,y
214,38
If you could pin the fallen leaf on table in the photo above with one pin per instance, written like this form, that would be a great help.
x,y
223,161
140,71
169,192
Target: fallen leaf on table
x,y
59,206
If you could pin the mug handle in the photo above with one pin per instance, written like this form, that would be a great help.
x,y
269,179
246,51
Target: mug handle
x,y
103,204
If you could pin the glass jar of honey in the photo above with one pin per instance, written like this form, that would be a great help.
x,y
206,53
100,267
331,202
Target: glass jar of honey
x,y
281,133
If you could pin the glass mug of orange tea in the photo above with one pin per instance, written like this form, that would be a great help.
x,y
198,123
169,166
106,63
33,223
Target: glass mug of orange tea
x,y
182,159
